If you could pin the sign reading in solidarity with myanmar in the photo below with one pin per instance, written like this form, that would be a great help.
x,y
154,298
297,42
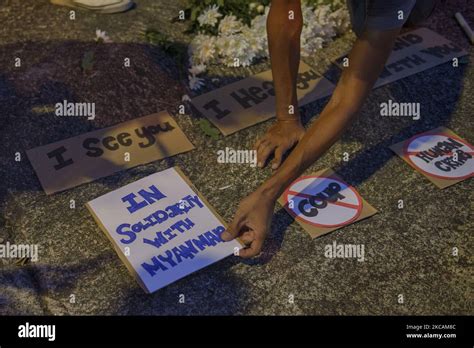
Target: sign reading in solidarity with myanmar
x,y
162,228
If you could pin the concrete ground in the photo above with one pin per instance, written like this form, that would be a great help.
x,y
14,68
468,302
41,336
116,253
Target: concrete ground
x,y
408,251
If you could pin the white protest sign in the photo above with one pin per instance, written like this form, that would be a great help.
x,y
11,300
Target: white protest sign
x,y
440,155
252,100
162,228
413,52
323,202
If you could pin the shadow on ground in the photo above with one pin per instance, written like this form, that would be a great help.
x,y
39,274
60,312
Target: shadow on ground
x,y
51,72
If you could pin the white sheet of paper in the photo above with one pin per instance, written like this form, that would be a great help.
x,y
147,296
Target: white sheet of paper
x,y
112,210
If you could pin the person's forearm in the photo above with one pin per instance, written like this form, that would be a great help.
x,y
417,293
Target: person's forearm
x,y
321,136
284,25
367,60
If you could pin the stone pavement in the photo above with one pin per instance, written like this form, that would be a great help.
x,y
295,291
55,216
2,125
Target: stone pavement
x,y
408,251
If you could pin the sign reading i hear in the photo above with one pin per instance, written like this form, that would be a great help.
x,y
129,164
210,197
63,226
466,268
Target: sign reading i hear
x,y
252,100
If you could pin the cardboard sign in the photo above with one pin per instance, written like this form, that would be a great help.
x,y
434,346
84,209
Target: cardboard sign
x,y
162,228
323,202
252,100
413,52
84,158
440,155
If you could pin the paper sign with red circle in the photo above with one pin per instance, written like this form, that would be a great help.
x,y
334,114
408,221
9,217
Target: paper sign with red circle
x,y
323,202
441,155
419,143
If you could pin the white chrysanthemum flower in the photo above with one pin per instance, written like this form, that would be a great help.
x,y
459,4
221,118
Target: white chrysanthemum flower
x,y
197,41
258,33
233,62
209,16
234,50
101,36
230,25
240,44
341,20
246,60
231,46
197,69
308,14
223,45
257,44
202,49
320,26
195,82
259,22
322,14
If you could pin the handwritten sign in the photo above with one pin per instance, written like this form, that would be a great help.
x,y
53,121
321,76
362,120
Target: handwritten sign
x,y
440,155
162,228
87,157
323,202
413,52
252,100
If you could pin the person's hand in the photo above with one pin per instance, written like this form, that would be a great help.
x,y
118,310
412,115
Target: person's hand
x,y
251,223
281,137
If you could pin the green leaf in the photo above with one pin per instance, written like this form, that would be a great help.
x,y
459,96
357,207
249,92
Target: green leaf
x,y
22,262
87,61
42,109
194,13
208,129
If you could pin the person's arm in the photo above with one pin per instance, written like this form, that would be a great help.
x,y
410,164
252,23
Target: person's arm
x,y
366,61
284,25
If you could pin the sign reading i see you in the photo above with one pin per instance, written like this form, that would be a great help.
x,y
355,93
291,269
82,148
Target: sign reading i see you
x,y
89,156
